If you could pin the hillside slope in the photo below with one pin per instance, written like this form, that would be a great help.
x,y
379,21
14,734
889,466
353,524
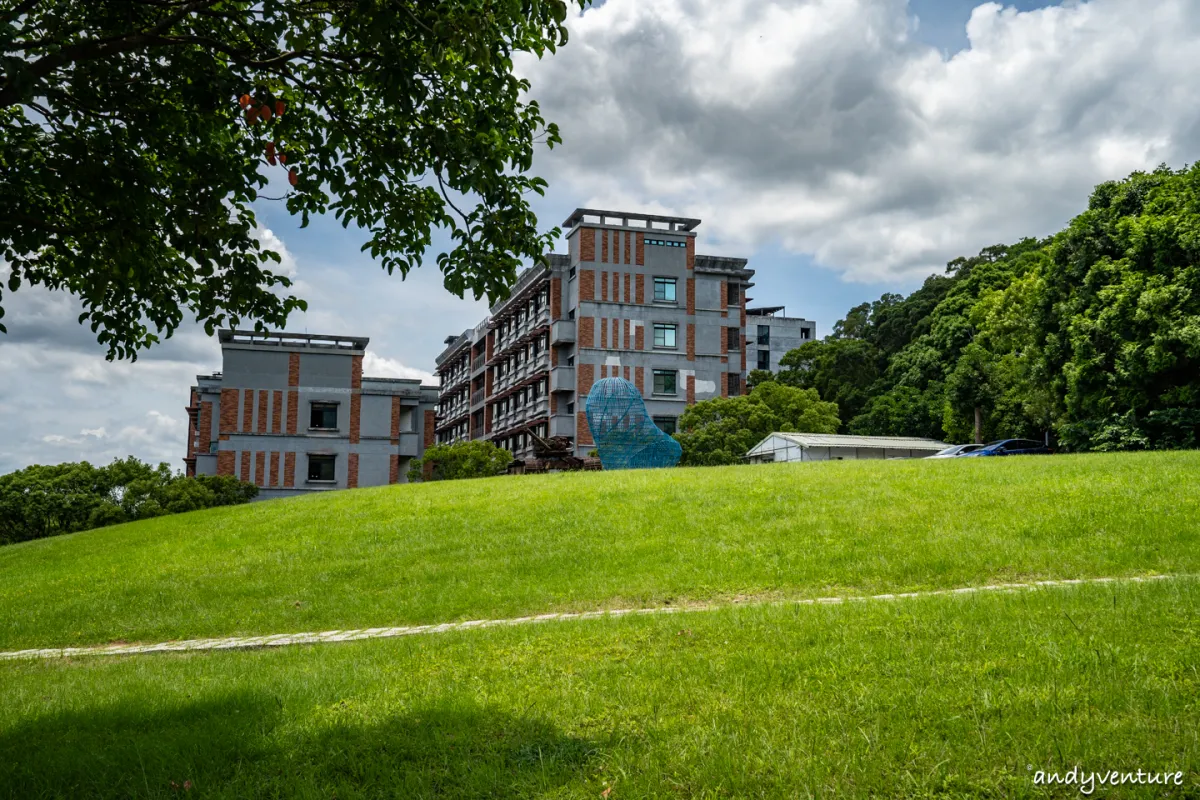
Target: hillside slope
x,y
517,545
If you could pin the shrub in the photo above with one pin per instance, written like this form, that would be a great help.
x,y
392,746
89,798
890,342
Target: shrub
x,y
447,462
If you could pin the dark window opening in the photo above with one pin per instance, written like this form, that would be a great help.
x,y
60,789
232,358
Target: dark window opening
x,y
733,294
323,416
735,384
667,425
764,359
764,334
666,381
733,338
320,468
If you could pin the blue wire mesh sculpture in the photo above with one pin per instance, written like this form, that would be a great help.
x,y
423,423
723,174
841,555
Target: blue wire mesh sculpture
x,y
625,436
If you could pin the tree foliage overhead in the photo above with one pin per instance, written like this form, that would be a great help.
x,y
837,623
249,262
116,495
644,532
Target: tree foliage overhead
x,y
41,501
722,430
1091,336
135,135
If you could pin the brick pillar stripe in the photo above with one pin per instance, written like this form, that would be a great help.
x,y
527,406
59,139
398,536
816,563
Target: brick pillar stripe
x,y
616,289
274,468
293,369
691,252
587,244
247,411
394,469
356,372
263,396
604,246
395,421
587,332
603,332
555,298
625,335
289,470
260,468
641,249
639,379
639,338
430,438
245,476
352,471
582,434
640,290
277,412
205,427
293,412
226,462
725,340
725,385
355,417
627,235
627,373
584,381
691,341
628,293
691,390
691,295
229,411
604,286
587,288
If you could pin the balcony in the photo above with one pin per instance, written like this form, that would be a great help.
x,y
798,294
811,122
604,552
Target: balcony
x,y
562,425
478,362
476,397
562,331
562,379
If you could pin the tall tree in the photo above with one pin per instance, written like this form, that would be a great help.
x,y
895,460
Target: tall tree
x,y
135,135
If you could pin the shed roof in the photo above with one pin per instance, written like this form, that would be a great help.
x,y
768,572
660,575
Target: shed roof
x,y
840,440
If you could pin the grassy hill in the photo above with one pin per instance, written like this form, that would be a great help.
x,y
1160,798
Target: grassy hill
x,y
946,696
533,544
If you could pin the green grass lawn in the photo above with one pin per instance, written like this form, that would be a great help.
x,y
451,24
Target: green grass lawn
x,y
518,545
951,696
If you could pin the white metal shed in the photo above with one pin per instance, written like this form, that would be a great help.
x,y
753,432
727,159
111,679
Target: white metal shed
x,y
784,446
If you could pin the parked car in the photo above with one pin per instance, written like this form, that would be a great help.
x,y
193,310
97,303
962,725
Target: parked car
x,y
1012,447
956,450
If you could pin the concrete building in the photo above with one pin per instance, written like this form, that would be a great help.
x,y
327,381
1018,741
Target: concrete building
x,y
292,413
631,299
770,335
837,447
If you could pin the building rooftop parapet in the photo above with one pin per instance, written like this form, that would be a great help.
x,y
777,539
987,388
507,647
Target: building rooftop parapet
x,y
291,341
648,221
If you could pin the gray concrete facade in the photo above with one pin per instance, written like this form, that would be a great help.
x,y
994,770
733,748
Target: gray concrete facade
x,y
630,299
293,413
770,334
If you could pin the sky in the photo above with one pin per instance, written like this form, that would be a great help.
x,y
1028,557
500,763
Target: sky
x,y
847,148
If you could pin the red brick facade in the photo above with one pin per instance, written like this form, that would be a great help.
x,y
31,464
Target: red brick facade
x,y
604,246
691,295
245,476
394,470
691,341
604,333
205,431
293,411
604,286
226,462
587,332
277,411
229,411
587,244
352,471
639,379
263,399
274,468
356,372
247,411
587,285
395,421
641,249
430,438
691,252
555,298
260,468
289,470
691,390
355,415
640,289
293,369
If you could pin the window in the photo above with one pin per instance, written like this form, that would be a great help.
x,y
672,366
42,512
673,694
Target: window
x,y
733,339
571,314
735,384
666,424
764,359
665,334
570,361
665,243
664,290
323,416
805,333
570,408
764,334
320,469
571,274
665,381
733,294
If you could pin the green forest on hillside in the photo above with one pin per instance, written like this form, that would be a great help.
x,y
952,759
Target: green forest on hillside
x,y
1091,336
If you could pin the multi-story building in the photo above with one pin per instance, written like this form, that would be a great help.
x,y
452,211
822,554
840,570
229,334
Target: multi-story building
x,y
770,335
293,413
630,299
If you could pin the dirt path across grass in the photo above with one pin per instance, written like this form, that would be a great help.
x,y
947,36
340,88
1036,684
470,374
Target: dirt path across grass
x,y
282,639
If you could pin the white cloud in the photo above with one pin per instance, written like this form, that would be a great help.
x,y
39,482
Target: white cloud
x,y
269,241
827,127
376,366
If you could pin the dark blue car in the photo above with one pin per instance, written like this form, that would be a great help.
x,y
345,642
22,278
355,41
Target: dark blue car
x,y
1011,447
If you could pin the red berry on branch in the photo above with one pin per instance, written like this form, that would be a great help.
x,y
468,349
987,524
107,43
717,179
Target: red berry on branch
x,y
244,100
293,178
265,112
279,107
